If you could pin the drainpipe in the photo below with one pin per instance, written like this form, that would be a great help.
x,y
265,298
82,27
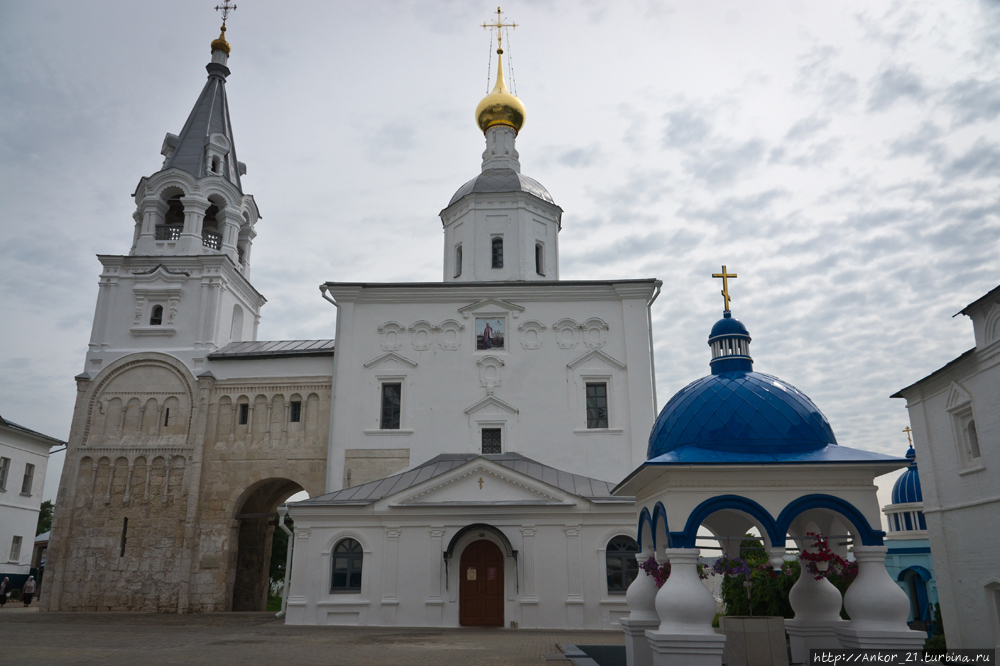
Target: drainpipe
x,y
282,511
652,362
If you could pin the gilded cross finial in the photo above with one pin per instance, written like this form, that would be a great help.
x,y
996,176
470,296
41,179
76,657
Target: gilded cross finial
x,y
498,26
725,284
225,8
908,430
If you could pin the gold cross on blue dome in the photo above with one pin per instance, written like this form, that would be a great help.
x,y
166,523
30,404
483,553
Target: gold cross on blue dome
x,y
725,284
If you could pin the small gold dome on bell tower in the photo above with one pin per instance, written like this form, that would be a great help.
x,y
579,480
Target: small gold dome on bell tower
x,y
221,44
500,107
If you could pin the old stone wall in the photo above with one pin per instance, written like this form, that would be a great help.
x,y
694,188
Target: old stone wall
x,y
159,469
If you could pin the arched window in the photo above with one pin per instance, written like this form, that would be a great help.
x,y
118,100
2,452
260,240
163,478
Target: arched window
x,y
347,560
498,252
236,331
156,316
621,563
973,440
539,259
458,260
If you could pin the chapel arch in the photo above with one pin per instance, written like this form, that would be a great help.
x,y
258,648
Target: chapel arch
x,y
255,512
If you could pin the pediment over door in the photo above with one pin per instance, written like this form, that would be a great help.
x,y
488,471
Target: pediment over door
x,y
483,483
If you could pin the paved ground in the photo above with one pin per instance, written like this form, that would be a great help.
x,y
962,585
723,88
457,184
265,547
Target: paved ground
x,y
248,639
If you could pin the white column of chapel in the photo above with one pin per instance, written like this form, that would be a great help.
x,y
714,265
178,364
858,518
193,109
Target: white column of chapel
x,y
878,607
817,614
685,636
641,599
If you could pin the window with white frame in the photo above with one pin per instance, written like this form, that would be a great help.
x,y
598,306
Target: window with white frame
x,y
348,560
458,260
391,405
29,477
15,549
492,440
622,566
597,405
967,438
4,470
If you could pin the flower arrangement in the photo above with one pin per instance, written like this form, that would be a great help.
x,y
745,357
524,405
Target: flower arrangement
x,y
822,562
731,566
660,573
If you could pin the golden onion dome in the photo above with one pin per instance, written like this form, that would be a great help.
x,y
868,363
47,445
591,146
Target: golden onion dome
x,y
221,44
500,107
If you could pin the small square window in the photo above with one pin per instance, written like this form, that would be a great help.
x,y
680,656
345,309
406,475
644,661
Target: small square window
x,y
29,477
597,405
391,403
244,413
492,440
295,413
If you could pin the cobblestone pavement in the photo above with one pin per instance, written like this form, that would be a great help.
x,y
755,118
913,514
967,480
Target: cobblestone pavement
x,y
248,639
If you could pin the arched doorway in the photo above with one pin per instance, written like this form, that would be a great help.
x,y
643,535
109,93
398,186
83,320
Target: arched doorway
x,y
480,586
257,521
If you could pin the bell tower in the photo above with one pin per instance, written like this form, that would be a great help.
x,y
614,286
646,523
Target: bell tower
x,y
184,287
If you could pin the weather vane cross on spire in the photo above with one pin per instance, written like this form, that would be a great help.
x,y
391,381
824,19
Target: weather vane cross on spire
x,y
225,8
725,284
908,430
498,26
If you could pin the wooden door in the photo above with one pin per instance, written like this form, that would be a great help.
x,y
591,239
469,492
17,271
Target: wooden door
x,y
481,588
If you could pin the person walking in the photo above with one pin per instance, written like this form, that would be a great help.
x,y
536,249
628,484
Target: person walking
x,y
4,591
28,590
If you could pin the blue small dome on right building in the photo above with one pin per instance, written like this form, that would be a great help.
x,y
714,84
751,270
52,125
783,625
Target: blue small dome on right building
x,y
907,487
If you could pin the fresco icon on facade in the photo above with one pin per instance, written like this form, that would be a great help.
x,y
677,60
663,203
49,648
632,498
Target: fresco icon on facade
x,y
490,333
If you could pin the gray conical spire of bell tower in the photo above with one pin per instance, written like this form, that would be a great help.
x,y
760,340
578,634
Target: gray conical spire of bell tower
x,y
205,146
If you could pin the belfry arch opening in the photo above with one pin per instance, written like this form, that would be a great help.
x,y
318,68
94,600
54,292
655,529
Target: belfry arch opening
x,y
257,516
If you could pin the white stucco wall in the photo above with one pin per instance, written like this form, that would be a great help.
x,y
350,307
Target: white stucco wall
x,y
962,494
18,511
557,581
423,336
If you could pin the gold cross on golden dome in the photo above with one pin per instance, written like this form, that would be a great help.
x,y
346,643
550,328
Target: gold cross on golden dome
x,y
498,26
725,284
225,8
908,430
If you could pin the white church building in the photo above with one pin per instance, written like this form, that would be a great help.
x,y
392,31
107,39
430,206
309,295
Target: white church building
x,y
458,440
512,398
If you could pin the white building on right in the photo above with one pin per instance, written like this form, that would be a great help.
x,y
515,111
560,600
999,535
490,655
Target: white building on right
x,y
24,455
955,416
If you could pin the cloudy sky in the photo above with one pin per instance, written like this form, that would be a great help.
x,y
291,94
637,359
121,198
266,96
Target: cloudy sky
x,y
843,158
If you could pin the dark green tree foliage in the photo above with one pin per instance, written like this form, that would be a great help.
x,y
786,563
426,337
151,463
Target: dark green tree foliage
x,y
279,552
45,517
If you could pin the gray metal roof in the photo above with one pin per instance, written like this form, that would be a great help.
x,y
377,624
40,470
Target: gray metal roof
x,y
369,493
29,431
210,115
502,180
273,348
